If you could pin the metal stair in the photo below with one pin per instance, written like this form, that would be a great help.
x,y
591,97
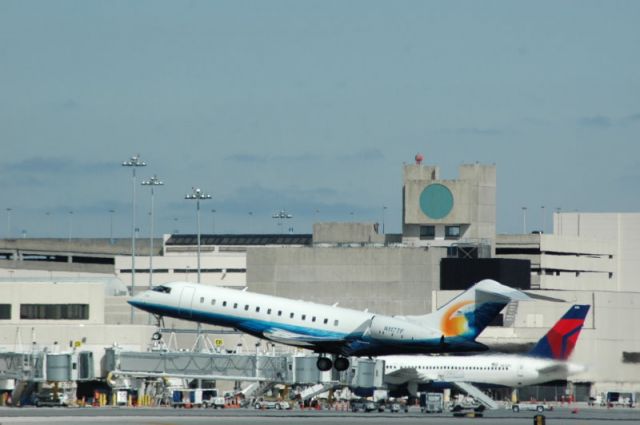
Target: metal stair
x,y
477,394
316,389
257,389
510,314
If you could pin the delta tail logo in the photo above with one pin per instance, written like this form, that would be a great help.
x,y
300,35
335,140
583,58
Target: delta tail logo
x,y
560,341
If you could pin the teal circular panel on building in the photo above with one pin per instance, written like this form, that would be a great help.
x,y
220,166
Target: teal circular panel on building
x,y
436,201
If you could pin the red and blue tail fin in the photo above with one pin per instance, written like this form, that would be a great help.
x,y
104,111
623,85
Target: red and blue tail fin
x,y
560,341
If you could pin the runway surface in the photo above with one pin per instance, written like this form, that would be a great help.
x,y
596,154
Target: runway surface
x,y
168,416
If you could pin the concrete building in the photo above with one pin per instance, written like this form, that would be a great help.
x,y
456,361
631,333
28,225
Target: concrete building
x,y
564,262
589,258
439,212
384,280
62,315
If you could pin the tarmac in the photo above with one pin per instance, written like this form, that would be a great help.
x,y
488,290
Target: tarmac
x,y
169,416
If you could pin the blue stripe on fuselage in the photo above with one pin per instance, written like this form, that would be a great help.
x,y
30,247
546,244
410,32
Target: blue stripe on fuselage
x,y
252,326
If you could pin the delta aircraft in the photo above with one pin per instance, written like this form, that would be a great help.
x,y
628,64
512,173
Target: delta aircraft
x,y
334,330
547,361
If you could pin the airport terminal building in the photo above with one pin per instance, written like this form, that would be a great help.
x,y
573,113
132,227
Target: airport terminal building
x,y
72,293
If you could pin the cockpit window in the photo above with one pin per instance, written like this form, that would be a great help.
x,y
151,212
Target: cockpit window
x,y
163,289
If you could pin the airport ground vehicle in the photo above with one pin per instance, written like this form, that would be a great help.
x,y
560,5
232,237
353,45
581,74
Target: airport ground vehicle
x,y
618,398
279,405
47,397
431,402
363,406
210,398
538,407
394,407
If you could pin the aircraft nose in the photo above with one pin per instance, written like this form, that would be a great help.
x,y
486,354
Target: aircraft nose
x,y
139,300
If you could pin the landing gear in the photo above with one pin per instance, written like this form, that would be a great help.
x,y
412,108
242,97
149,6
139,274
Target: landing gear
x,y
157,335
324,363
341,363
159,321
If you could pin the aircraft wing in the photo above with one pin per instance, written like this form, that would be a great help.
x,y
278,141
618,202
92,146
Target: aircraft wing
x,y
328,344
406,374
301,340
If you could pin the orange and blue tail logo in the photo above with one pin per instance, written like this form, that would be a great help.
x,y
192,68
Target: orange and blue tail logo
x,y
467,318
560,341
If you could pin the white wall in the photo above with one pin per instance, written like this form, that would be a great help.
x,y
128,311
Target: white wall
x,y
609,329
51,292
620,229
173,261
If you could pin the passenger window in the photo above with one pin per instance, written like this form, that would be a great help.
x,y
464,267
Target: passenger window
x,y
269,311
304,317
325,321
291,316
246,307
213,302
201,300
279,312
335,322
235,305
313,319
257,309
224,303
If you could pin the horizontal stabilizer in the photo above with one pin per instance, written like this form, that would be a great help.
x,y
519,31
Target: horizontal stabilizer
x,y
556,368
544,297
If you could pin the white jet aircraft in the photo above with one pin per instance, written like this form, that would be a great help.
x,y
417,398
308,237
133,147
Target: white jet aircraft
x,y
547,361
334,330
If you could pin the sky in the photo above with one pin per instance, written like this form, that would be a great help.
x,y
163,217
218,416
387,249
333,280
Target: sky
x,y
310,107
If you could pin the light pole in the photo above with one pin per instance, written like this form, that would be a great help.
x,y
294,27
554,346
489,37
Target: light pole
x,y
8,223
543,219
558,209
48,224
384,210
524,220
70,225
213,221
153,181
198,195
280,216
134,162
111,212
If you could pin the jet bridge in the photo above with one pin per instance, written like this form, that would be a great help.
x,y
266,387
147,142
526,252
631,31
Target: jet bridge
x,y
257,367
23,366
121,368
199,365
41,366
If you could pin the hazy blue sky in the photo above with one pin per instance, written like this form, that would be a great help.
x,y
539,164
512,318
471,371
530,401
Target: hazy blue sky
x,y
311,105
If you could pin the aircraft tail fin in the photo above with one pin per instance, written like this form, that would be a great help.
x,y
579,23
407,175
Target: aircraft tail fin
x,y
469,313
561,339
